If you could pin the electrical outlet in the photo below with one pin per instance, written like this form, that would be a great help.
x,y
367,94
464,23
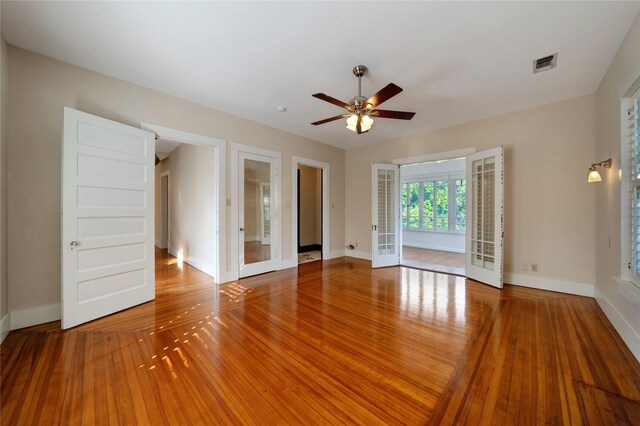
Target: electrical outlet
x,y
525,267
534,267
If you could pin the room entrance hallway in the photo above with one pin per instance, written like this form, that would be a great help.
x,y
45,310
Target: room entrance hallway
x,y
288,347
433,260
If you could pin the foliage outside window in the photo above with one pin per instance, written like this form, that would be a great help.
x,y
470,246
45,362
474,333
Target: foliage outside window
x,y
435,205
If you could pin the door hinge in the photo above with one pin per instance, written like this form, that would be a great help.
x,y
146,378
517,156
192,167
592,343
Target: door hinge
x,y
374,227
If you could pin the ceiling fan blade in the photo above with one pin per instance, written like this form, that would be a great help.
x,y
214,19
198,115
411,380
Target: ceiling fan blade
x,y
386,93
398,115
359,125
327,120
331,100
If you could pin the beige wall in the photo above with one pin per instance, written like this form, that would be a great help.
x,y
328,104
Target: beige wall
x,y
623,71
4,77
192,205
549,217
310,206
40,87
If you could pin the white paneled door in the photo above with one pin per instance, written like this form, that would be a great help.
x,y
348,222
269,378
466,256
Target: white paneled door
x,y
385,220
107,217
484,233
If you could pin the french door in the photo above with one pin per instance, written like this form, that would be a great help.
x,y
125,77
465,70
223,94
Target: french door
x,y
484,232
256,178
107,217
385,215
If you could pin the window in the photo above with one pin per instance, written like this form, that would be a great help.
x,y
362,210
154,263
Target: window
x,y
631,186
434,205
461,204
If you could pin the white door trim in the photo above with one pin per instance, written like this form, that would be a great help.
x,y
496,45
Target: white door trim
x,y
437,156
326,219
220,168
276,187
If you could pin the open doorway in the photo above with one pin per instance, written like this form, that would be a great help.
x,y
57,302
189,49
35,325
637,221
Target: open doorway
x,y
309,214
433,208
185,204
320,174
190,188
163,194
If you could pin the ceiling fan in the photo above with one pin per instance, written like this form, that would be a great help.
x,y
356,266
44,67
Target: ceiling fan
x,y
360,110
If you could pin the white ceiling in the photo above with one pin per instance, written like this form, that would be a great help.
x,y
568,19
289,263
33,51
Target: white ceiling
x,y
165,146
457,62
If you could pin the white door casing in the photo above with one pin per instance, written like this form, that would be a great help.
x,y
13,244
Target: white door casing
x,y
219,146
485,223
107,217
385,215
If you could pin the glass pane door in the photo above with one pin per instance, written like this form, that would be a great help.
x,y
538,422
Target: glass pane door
x,y
255,214
484,215
386,215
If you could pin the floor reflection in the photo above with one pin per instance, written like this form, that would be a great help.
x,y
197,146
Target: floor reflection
x,y
429,295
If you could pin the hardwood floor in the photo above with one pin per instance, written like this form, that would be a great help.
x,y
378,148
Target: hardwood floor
x,y
433,260
329,342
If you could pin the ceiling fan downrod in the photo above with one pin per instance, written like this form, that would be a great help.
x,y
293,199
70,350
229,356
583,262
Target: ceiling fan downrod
x,y
359,102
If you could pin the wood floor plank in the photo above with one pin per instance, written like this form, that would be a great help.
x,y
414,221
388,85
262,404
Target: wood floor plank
x,y
329,342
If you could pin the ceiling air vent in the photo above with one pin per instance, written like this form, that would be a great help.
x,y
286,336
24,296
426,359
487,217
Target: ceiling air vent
x,y
545,63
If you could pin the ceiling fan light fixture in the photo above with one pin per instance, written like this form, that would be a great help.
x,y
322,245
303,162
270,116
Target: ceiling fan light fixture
x,y
367,122
352,122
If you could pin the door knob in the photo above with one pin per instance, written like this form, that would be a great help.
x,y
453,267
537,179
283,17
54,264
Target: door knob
x,y
241,229
74,243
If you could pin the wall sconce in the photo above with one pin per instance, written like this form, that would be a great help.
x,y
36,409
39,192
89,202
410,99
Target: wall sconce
x,y
594,175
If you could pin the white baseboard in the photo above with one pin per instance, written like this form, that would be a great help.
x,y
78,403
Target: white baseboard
x,y
193,262
5,326
34,316
624,329
200,266
358,254
432,247
551,284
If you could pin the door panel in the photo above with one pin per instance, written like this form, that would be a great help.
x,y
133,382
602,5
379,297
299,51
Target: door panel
x,y
484,232
385,229
257,177
107,217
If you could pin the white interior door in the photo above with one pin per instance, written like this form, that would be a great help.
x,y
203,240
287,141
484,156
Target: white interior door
x,y
255,173
385,215
107,217
484,232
